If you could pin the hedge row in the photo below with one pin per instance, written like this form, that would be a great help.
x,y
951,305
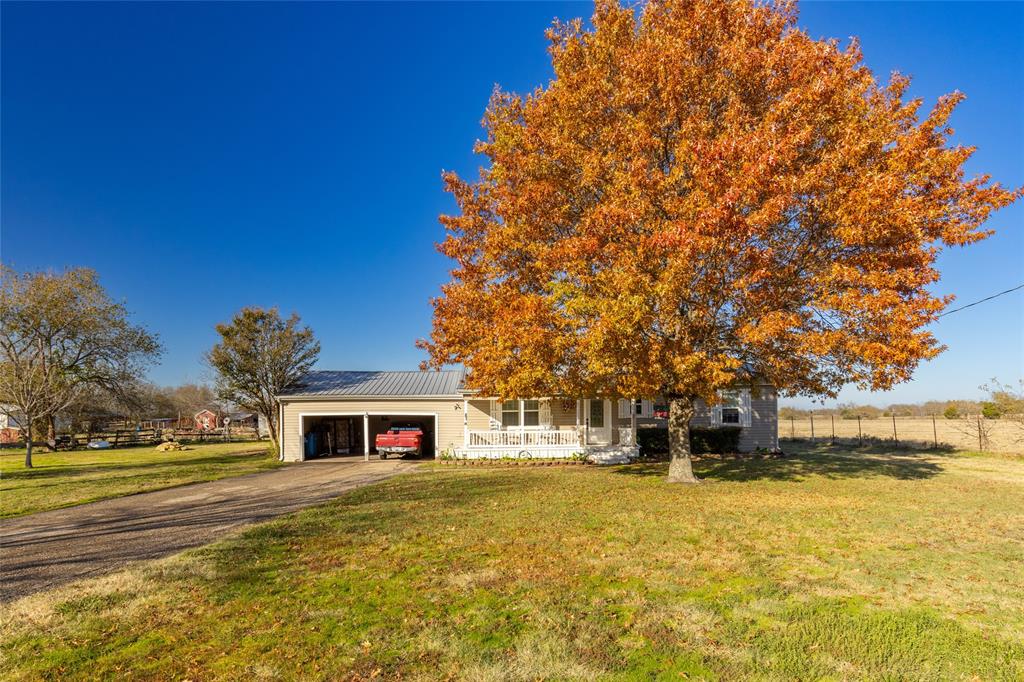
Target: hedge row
x,y
714,440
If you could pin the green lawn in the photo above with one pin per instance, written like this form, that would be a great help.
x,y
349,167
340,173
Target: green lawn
x,y
62,479
834,565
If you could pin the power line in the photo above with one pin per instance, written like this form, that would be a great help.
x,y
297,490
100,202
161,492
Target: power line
x,y
987,298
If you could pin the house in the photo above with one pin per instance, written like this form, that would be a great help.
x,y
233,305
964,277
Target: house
x,y
250,420
206,420
337,412
10,427
244,420
159,423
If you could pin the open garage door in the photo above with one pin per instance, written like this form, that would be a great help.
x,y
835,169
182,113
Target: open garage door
x,y
326,435
379,423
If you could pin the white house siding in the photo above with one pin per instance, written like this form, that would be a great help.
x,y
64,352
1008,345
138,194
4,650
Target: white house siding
x,y
763,431
479,415
448,410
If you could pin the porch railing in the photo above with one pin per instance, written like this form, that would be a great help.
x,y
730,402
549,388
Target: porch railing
x,y
535,438
626,437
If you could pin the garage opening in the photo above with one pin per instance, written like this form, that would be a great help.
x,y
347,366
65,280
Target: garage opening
x,y
332,435
327,435
426,423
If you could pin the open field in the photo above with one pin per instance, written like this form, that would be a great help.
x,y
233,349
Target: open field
x,y
1006,435
874,564
65,478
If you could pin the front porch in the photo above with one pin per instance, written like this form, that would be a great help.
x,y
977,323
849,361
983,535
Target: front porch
x,y
538,429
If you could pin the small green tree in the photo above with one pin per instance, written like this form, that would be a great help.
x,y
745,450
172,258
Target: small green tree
x,y
259,355
990,410
951,412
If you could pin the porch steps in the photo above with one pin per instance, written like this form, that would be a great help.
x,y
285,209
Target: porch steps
x,y
612,454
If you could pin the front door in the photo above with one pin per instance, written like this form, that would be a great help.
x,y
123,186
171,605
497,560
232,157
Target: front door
x,y
599,422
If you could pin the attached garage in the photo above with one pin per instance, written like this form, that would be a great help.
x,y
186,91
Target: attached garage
x,y
341,413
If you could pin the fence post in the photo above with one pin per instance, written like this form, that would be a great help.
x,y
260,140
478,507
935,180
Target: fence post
x,y
860,434
792,428
935,434
833,417
894,436
980,446
812,426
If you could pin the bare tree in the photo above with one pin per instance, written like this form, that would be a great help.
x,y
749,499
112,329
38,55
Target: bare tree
x,y
259,355
60,335
978,428
192,398
1009,402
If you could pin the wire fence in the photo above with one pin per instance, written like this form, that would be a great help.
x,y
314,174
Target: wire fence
x,y
972,432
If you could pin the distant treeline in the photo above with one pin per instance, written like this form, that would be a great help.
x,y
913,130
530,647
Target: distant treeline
x,y
1003,400
852,410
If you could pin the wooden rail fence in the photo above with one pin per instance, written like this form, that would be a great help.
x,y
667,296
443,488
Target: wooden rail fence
x,y
138,436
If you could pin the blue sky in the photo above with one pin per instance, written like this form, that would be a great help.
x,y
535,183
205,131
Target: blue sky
x,y
203,157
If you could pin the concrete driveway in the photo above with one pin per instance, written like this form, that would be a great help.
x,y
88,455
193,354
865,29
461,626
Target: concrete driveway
x,y
43,550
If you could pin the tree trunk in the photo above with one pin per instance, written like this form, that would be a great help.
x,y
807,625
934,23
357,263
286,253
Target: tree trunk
x,y
680,411
272,429
51,432
28,441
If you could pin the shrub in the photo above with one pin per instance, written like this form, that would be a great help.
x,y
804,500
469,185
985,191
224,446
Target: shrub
x,y
951,412
652,441
717,440
990,410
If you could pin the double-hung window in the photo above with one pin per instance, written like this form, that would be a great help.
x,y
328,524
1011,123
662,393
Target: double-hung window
x,y
732,404
733,408
509,413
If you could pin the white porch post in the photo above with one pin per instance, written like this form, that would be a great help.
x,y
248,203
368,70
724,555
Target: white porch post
x,y
366,436
465,423
580,434
632,418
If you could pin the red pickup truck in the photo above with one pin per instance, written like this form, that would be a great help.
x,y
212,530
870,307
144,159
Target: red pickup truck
x,y
399,440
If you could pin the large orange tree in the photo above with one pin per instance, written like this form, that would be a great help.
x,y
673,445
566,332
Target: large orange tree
x,y
702,189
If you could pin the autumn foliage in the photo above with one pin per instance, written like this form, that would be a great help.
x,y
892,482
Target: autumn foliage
x,y
702,188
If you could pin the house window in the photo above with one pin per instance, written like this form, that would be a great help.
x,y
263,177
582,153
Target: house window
x,y
732,403
531,412
520,413
510,413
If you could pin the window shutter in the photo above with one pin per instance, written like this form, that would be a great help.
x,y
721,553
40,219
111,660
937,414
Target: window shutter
x,y
544,409
745,411
623,409
495,415
716,412
646,409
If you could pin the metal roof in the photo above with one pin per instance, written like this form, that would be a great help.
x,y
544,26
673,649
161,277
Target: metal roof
x,y
330,384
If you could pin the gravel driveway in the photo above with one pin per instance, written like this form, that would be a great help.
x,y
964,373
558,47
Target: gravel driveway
x,y
43,550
